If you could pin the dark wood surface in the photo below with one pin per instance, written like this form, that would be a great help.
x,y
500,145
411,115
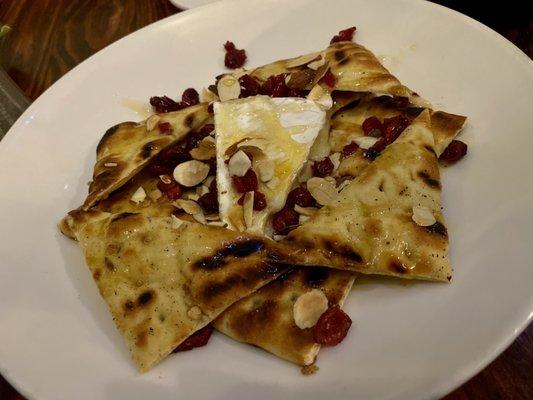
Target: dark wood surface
x,y
50,37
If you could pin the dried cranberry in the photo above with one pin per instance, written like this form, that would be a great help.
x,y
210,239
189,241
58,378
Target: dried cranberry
x,y
197,339
454,152
165,127
275,86
209,202
159,169
212,162
163,104
349,149
246,183
332,327
260,202
393,127
249,86
344,35
285,220
173,155
213,185
380,145
328,79
190,97
172,191
372,127
322,168
234,57
301,197
297,93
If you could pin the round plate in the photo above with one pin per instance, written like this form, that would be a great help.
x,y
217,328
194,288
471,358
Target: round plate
x,y
408,341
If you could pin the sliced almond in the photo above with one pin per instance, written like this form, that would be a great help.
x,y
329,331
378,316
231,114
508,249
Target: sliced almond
x,y
317,63
273,183
205,149
207,182
301,79
191,196
110,164
331,180
152,122
423,216
228,88
306,173
307,211
365,142
191,173
201,190
261,144
239,164
302,60
139,195
265,168
336,160
176,222
194,312
200,217
321,96
322,190
248,209
189,206
155,194
277,238
165,179
343,184
216,223
309,307
212,217
208,96
238,72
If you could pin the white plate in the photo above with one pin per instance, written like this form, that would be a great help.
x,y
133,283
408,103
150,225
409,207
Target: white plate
x,y
409,341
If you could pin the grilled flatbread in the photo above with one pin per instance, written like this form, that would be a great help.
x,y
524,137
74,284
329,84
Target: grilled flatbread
x,y
164,279
370,226
127,147
265,318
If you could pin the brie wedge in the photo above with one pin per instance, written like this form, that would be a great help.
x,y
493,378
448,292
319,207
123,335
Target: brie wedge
x,y
276,134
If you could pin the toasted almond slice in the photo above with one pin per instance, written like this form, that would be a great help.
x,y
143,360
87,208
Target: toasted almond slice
x,y
317,64
208,96
194,312
300,79
309,307
216,223
152,122
423,216
205,149
303,218
265,168
191,173
307,211
165,179
306,173
238,72
331,180
273,183
201,190
261,144
365,142
189,206
248,209
176,222
321,96
207,182
336,160
191,196
277,238
212,217
139,195
343,184
322,190
110,164
200,217
239,164
228,88
302,60
155,194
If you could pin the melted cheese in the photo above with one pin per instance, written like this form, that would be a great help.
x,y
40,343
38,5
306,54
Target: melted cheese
x,y
278,129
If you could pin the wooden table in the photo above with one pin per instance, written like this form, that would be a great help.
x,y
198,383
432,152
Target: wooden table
x,y
52,36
